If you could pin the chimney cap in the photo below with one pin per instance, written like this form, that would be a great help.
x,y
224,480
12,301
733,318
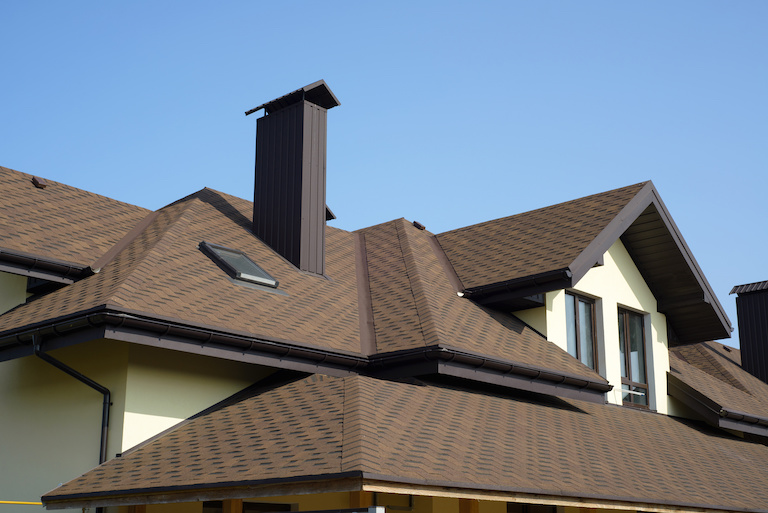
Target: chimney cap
x,y
318,93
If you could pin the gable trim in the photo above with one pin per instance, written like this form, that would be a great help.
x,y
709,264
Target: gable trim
x,y
689,308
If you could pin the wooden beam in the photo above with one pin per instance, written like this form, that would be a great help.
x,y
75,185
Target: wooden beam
x,y
232,506
469,506
360,499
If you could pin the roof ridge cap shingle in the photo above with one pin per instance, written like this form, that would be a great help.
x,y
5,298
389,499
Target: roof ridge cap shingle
x,y
359,438
418,287
175,217
716,369
51,182
638,186
706,375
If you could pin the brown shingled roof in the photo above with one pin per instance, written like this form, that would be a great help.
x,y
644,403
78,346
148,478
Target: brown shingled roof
x,y
433,436
415,305
534,242
709,378
61,222
161,274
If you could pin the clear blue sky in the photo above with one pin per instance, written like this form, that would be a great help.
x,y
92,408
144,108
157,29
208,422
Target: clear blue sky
x,y
450,114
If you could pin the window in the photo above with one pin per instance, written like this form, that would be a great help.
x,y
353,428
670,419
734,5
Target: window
x,y
580,320
634,380
238,265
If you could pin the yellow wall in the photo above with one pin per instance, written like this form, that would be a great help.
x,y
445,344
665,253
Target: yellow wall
x,y
46,413
164,387
617,283
50,422
13,290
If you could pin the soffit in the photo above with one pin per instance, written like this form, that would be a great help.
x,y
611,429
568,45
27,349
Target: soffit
x,y
553,248
433,435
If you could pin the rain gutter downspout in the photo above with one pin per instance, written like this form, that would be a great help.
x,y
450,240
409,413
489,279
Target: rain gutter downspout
x,y
88,381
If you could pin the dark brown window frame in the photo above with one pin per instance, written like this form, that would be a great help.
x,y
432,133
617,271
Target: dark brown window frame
x,y
624,315
576,298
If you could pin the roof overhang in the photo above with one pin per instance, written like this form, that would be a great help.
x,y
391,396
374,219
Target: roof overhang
x,y
124,325
662,256
713,413
128,326
367,482
446,361
35,266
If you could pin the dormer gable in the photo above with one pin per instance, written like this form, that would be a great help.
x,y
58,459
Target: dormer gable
x,y
505,263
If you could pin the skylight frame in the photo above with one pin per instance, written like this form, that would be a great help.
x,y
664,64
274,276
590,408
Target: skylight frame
x,y
226,258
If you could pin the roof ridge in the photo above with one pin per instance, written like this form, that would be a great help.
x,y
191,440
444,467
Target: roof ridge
x,y
714,368
638,187
357,441
72,187
418,287
166,216
395,319
721,401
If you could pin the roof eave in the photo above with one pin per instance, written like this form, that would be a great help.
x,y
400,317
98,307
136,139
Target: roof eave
x,y
713,413
447,361
36,266
119,324
372,482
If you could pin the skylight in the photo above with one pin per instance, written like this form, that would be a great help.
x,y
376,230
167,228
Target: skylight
x,y
238,265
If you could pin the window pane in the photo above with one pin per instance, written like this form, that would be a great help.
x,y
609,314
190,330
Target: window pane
x,y
635,395
586,336
637,351
570,320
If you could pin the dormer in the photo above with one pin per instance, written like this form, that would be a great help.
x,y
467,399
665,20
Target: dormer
x,y
608,278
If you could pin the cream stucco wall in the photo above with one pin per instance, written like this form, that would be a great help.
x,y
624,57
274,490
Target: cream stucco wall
x,y
164,387
50,422
13,290
617,283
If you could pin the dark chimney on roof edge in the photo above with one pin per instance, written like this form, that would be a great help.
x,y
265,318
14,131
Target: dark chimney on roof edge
x,y
289,211
752,314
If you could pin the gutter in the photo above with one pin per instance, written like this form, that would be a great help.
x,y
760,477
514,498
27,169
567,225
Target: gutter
x,y
447,361
45,268
199,335
91,383
357,480
541,281
292,356
713,413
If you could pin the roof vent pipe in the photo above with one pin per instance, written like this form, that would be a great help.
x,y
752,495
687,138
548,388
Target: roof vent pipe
x,y
289,211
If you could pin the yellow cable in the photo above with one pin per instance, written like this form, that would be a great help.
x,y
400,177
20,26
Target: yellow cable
x,y
22,502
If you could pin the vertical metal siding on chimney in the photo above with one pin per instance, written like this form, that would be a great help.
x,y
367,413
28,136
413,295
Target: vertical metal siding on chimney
x,y
313,196
289,209
752,312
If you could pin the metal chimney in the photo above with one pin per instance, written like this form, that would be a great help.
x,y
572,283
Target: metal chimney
x,y
752,312
289,211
